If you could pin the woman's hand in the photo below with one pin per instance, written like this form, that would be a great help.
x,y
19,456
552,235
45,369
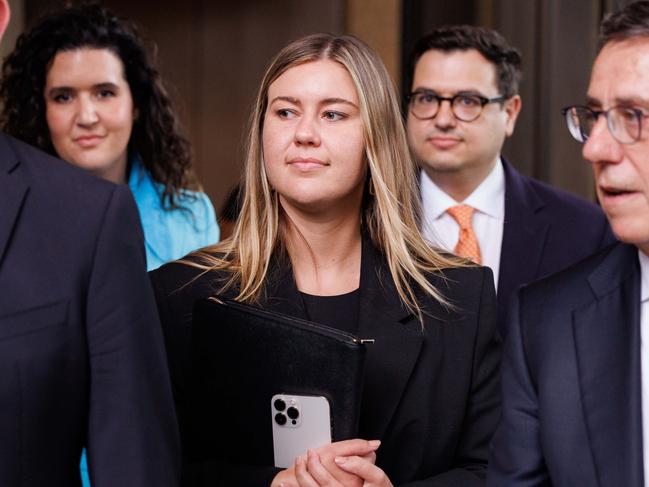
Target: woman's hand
x,y
371,475
285,478
318,467
327,454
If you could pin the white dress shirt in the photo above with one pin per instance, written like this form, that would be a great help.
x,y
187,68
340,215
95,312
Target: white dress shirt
x,y
644,358
488,199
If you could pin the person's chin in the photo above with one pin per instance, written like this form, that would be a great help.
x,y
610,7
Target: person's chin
x,y
299,199
623,206
91,165
444,165
630,229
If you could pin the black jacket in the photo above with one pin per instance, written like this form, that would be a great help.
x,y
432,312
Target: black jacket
x,y
81,351
545,231
430,396
572,394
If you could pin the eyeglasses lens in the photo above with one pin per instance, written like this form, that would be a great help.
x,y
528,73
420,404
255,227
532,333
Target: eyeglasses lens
x,y
623,123
464,107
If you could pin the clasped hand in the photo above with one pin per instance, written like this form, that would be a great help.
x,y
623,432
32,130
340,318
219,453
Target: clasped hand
x,y
348,463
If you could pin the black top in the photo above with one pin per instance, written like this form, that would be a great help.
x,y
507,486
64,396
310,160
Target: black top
x,y
339,312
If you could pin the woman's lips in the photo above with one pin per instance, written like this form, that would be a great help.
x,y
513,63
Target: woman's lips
x,y
87,141
307,163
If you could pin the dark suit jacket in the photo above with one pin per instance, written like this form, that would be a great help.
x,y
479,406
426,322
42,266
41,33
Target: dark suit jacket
x,y
571,379
81,351
431,396
545,231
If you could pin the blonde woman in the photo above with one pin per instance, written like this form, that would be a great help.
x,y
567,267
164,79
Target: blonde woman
x,y
328,232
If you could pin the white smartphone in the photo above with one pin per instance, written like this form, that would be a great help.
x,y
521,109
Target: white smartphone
x,y
299,423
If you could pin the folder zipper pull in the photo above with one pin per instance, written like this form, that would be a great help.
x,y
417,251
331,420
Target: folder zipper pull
x,y
364,341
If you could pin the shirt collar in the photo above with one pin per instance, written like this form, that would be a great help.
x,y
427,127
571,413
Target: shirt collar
x,y
644,276
137,174
144,189
487,198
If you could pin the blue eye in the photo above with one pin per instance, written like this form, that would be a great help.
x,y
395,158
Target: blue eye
x,y
285,113
333,116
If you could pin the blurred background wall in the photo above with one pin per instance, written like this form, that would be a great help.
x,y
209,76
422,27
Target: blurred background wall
x,y
212,53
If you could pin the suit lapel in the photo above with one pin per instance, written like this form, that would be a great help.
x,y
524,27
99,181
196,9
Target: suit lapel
x,y
397,334
13,190
282,292
607,341
524,236
397,342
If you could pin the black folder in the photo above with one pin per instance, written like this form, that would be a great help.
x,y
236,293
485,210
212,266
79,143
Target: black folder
x,y
244,355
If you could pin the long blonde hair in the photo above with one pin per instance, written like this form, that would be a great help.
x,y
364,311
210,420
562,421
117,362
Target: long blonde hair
x,y
391,211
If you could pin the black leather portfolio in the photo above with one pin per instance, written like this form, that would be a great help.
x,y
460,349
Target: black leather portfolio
x,y
244,355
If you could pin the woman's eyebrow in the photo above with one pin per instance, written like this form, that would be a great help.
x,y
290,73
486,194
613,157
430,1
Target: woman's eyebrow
x,y
289,99
329,101
326,101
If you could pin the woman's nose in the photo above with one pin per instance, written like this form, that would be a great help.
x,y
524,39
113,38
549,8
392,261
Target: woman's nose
x,y
87,112
306,131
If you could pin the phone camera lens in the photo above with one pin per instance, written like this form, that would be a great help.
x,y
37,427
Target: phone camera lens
x,y
279,405
280,419
292,413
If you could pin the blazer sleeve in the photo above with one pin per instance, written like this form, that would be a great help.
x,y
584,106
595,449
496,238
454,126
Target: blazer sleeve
x,y
483,404
516,457
132,431
484,401
176,289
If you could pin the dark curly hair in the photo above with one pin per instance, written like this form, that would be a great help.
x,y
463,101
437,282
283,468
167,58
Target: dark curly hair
x,y
156,136
493,46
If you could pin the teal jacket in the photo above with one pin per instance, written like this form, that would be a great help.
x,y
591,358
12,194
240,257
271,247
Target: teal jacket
x,y
171,234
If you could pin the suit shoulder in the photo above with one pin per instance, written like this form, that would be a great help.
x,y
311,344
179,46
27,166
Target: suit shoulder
x,y
59,176
186,277
464,283
567,202
467,274
566,282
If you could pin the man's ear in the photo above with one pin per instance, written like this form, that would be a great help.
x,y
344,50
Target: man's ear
x,y
512,109
5,14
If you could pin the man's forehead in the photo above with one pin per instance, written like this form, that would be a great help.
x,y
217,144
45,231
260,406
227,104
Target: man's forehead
x,y
621,72
469,56
462,69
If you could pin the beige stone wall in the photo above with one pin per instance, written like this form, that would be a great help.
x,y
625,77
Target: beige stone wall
x,y
378,22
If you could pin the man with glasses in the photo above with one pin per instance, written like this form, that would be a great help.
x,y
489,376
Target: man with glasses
x,y
463,104
575,374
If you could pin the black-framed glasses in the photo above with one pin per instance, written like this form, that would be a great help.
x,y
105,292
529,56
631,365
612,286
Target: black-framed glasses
x,y
624,123
424,104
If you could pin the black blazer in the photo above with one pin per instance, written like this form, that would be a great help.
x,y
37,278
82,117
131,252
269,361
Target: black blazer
x,y
430,395
545,231
572,412
81,351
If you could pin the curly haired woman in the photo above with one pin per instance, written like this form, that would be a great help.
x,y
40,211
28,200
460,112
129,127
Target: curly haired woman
x,y
82,86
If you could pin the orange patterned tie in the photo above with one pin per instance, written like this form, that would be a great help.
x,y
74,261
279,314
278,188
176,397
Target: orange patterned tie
x,y
467,245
